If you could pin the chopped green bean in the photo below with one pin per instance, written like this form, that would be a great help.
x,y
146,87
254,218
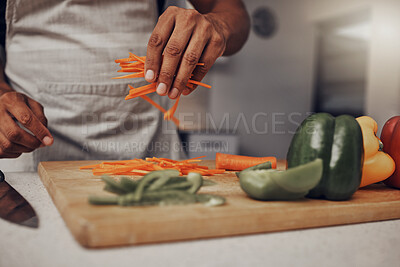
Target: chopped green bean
x,y
197,181
96,200
157,188
129,184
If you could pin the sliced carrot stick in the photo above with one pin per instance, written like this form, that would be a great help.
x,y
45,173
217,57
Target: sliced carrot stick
x,y
135,64
239,163
142,88
194,158
200,83
89,167
160,108
130,69
134,75
170,113
141,59
131,65
122,60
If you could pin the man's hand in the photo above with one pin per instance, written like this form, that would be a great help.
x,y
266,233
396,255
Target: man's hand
x,y
13,139
184,37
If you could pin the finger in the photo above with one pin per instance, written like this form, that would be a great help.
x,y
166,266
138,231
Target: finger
x,y
212,51
156,44
172,56
189,60
38,110
15,134
9,147
26,117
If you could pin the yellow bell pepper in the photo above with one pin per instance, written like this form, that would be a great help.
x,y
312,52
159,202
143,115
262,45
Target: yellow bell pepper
x,y
377,164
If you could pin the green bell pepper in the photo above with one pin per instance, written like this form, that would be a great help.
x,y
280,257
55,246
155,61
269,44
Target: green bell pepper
x,y
271,184
339,143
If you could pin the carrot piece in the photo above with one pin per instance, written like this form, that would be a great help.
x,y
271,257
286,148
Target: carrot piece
x,y
170,113
131,65
200,83
123,60
135,64
194,158
239,163
89,167
133,75
130,69
160,108
141,59
142,88
136,94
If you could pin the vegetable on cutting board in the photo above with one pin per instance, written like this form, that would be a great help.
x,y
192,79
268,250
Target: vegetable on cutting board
x,y
339,143
164,187
270,184
239,163
142,167
378,165
391,144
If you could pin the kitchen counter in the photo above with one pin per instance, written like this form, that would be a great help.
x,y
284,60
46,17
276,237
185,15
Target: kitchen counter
x,y
367,244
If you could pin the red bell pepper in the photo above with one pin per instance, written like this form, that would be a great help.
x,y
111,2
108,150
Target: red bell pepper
x,y
390,138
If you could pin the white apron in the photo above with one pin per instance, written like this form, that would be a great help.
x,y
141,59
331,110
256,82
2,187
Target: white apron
x,y
61,54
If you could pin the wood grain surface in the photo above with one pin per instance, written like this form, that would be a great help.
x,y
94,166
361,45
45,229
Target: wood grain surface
x,y
104,226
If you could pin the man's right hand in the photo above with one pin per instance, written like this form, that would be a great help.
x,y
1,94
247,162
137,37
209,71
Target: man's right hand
x,y
16,107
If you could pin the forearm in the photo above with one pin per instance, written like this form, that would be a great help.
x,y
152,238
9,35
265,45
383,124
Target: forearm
x,y
233,17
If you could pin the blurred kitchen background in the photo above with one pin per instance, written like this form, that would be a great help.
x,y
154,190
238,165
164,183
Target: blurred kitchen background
x,y
302,56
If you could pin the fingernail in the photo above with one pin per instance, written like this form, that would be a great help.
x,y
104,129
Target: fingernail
x,y
186,91
47,141
174,93
149,75
161,89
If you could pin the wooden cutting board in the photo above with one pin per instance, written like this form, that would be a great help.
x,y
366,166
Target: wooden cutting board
x,y
102,226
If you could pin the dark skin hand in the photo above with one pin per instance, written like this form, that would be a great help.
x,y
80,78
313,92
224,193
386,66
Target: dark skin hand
x,y
183,37
16,107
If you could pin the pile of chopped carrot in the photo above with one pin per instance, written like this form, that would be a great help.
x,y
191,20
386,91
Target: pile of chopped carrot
x,y
135,65
142,167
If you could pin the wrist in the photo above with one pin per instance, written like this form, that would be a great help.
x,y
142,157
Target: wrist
x,y
219,20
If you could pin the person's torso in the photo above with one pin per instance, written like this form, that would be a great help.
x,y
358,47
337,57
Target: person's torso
x,y
61,53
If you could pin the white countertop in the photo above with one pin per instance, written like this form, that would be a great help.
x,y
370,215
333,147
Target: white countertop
x,y
367,244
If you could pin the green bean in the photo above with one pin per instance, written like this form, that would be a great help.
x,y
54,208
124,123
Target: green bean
x,y
176,186
96,200
157,188
114,185
157,184
114,190
148,178
129,184
164,197
197,181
